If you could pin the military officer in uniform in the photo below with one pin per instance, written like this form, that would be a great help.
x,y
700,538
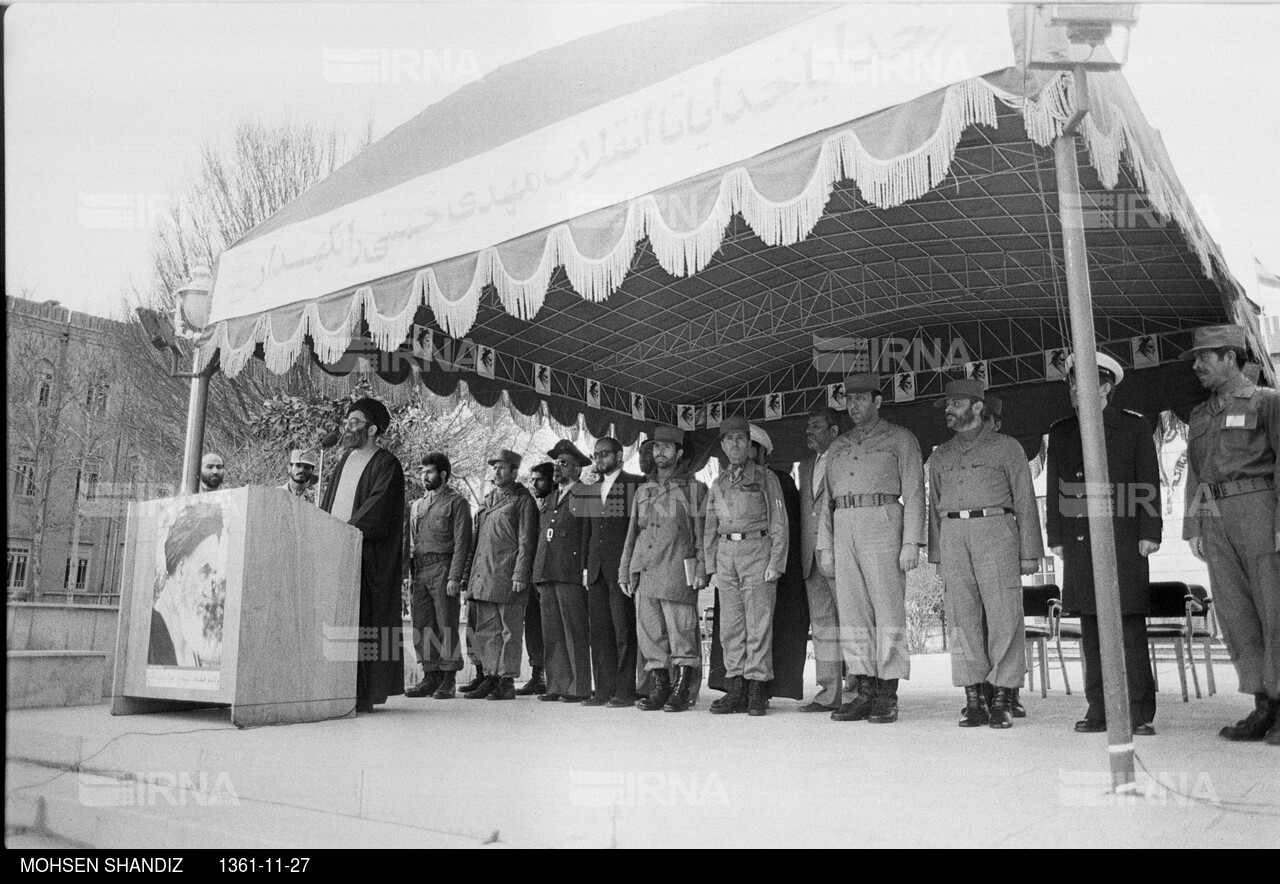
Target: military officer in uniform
x,y
302,475
559,571
984,528
745,542
1136,522
869,537
1233,517
662,568
542,484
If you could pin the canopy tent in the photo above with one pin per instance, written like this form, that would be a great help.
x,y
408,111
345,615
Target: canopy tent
x,y
720,210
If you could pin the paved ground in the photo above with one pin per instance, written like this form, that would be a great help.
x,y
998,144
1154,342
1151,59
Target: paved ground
x,y
464,773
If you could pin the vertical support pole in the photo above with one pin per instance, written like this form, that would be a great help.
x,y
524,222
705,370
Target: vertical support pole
x,y
1100,498
196,407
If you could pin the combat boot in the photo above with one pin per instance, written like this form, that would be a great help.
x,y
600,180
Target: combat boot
x,y
864,697
1273,736
535,685
885,708
504,690
1256,724
1002,708
1016,707
475,683
659,694
735,700
448,687
975,712
757,697
426,687
485,688
679,700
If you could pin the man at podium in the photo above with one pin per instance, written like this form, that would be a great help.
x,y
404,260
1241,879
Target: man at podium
x,y
367,491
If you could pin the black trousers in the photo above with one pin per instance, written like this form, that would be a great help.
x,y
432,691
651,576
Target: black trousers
x,y
1137,664
533,628
613,639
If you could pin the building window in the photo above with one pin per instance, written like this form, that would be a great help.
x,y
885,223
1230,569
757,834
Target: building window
x,y
44,384
25,477
95,398
87,487
81,571
18,559
1046,572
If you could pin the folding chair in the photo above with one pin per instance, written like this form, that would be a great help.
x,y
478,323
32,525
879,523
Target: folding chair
x,y
1172,600
1043,603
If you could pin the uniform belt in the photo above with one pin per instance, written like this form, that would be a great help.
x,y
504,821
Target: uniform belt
x,y
978,514
749,535
846,501
1240,486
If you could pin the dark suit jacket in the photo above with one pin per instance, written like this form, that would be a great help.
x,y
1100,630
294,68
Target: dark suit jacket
x,y
1135,480
608,528
810,516
562,537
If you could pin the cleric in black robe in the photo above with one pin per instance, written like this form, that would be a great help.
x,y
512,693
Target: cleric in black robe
x,y
790,611
373,501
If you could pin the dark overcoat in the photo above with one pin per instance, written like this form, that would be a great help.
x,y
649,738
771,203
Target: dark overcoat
x,y
1135,481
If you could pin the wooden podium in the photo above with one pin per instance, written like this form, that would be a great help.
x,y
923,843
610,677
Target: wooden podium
x,y
247,598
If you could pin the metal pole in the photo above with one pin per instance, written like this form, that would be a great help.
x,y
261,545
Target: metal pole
x,y
1102,538
196,407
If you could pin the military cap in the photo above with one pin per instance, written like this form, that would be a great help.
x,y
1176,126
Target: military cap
x,y
862,383
761,438
374,410
1105,364
506,456
962,388
303,455
543,469
663,433
734,425
564,446
1211,337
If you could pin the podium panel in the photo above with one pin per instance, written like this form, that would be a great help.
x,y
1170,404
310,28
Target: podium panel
x,y
247,597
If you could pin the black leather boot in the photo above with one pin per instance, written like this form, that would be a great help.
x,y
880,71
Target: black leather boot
x,y
1019,711
426,687
733,701
885,708
475,683
860,700
679,700
485,688
757,697
504,690
1273,736
975,712
1002,708
1256,724
448,687
535,685
661,692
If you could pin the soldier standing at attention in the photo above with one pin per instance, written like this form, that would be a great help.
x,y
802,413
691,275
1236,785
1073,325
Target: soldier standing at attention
x,y
745,542
1233,517
869,537
984,530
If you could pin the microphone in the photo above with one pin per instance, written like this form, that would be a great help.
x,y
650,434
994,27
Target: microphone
x,y
329,441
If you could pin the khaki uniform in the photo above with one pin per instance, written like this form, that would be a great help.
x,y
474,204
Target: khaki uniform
x,y
506,539
664,531
1233,505
824,621
747,505
439,544
980,555
308,494
875,486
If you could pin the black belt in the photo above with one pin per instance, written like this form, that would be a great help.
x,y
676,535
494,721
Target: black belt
x,y
978,514
749,535
1219,490
846,501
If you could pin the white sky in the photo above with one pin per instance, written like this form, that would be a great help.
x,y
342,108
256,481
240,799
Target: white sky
x,y
112,102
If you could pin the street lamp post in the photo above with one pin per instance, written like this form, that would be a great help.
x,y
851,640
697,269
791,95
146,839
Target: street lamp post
x,y
191,313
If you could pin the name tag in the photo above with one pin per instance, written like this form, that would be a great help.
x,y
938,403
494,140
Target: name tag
x,y
1234,420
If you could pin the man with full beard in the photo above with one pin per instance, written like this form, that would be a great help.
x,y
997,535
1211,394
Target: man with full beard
x,y
212,472
367,491
984,530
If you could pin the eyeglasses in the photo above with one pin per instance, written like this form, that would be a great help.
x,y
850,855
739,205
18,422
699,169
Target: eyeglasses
x,y
355,423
